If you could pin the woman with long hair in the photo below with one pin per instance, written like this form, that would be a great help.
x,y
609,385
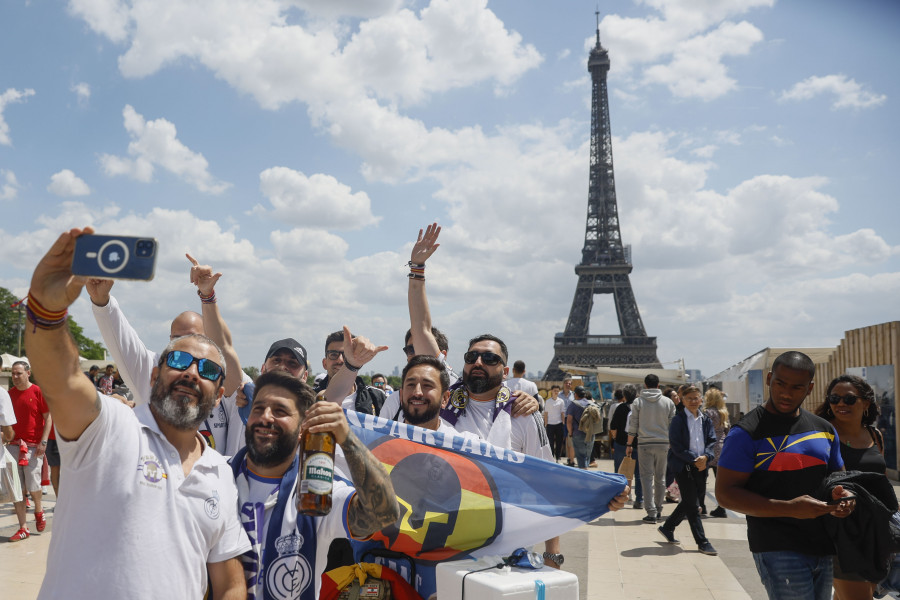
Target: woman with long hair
x,y
714,408
850,406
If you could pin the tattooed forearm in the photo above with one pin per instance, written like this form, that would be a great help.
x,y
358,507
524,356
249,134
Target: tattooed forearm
x,y
375,505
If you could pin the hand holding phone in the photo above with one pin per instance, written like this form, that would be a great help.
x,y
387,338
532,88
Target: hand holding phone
x,y
114,257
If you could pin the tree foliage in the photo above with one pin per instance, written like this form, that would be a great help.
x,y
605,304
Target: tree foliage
x,y
11,318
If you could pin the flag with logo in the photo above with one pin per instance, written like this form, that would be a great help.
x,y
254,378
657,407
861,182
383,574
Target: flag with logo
x,y
462,497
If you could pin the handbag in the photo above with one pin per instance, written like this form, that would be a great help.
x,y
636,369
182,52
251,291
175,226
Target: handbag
x,y
626,468
10,487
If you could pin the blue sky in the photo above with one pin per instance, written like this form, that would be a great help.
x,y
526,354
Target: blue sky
x,y
298,146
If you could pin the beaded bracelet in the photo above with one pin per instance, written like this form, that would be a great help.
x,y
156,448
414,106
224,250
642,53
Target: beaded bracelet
x,y
42,318
211,299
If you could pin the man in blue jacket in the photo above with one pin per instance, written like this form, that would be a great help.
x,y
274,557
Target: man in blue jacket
x,y
691,443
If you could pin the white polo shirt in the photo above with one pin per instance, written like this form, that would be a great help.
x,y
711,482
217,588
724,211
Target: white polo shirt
x,y
129,524
7,415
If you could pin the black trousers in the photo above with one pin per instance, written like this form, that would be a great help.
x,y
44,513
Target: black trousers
x,y
692,485
557,435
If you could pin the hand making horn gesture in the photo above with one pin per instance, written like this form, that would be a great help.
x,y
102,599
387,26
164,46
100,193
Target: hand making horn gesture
x,y
203,277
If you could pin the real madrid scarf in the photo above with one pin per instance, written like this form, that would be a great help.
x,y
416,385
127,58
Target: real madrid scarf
x,y
287,563
501,417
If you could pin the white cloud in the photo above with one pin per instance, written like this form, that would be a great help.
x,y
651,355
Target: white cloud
x,y
82,93
353,86
6,98
155,143
847,92
106,17
563,54
66,183
315,201
697,71
9,187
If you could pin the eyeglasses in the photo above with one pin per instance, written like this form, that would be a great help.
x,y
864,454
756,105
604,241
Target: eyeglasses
x,y
182,361
488,358
409,350
334,354
849,399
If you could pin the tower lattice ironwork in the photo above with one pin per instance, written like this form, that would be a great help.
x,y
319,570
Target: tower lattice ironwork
x,y
605,263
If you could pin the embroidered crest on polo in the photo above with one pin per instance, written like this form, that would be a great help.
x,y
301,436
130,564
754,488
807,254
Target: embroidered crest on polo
x,y
289,574
152,470
211,506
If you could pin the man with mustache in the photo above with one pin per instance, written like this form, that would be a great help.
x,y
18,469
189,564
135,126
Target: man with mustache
x,y
143,491
290,550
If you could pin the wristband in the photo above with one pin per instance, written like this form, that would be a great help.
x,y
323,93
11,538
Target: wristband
x,y
211,299
42,318
351,367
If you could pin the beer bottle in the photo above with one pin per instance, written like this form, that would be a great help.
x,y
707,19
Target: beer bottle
x,y
316,473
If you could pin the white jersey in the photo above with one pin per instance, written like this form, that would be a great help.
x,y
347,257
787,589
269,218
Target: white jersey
x,y
130,523
258,497
223,428
526,435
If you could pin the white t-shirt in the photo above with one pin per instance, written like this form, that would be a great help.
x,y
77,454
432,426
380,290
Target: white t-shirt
x,y
130,523
555,410
262,498
223,429
7,416
525,385
527,434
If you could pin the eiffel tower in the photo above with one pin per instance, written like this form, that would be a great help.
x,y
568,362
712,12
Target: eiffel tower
x,y
605,262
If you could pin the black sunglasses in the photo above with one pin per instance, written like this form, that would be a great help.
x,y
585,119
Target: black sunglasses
x,y
849,399
488,358
182,361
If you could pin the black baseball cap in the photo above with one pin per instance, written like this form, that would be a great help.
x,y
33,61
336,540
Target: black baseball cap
x,y
291,344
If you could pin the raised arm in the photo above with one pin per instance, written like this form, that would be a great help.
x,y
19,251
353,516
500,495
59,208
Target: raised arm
x,y
213,324
419,314
134,360
357,352
374,506
73,401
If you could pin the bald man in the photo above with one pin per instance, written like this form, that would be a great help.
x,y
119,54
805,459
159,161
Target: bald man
x,y
222,428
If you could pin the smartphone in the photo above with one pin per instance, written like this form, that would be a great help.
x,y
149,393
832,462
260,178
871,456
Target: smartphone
x,y
115,257
839,500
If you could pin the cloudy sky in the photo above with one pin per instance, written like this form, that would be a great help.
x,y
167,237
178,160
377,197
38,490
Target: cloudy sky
x,y
299,145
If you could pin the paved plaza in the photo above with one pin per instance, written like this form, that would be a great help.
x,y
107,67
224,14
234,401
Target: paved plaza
x,y
616,557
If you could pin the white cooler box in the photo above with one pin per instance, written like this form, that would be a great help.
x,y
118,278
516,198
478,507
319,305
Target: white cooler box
x,y
508,583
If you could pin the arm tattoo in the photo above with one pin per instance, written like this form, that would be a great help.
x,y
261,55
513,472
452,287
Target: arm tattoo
x,y
375,505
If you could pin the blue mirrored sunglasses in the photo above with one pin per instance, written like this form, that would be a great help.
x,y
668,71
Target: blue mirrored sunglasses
x,y
182,361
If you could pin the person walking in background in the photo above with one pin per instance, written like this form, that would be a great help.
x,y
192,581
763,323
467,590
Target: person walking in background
x,y
691,443
714,405
618,432
850,406
554,413
651,415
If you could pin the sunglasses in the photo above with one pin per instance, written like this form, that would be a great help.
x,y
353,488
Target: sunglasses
x,y
334,354
409,350
488,358
182,361
849,399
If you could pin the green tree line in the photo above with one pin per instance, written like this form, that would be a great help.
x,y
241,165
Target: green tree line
x,y
12,318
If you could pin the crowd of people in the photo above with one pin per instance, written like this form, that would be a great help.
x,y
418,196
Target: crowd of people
x,y
200,463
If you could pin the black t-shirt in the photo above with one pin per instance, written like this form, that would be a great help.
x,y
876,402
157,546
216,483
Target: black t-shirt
x,y
619,418
786,457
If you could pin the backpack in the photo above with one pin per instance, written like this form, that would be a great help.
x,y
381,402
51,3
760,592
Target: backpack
x,y
589,418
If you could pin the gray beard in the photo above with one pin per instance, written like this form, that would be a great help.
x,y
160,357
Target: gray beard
x,y
176,410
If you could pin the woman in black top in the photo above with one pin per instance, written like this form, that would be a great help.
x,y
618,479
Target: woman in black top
x,y
850,406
